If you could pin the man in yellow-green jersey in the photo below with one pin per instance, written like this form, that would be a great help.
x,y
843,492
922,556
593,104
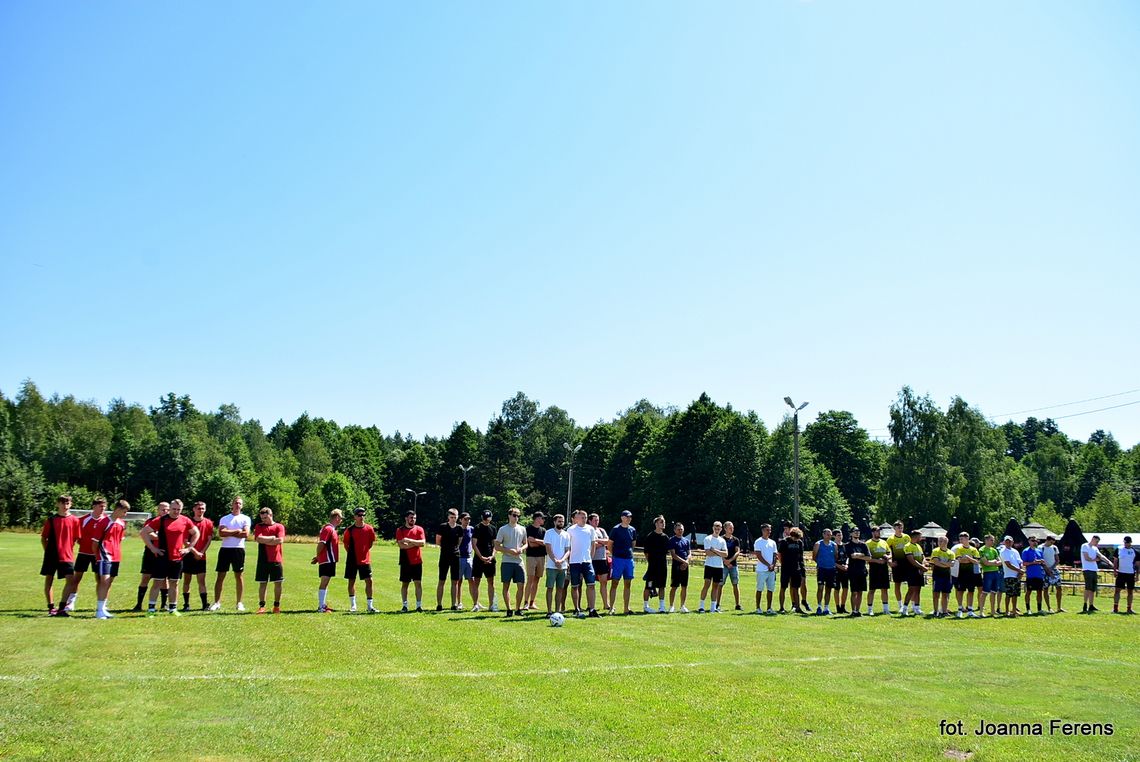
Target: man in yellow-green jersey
x,y
969,575
916,573
900,567
880,577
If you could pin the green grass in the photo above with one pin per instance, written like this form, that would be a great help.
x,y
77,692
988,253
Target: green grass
x,y
450,686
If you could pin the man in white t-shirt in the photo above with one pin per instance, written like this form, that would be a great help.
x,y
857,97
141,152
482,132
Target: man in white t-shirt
x,y
582,544
765,551
1051,555
234,529
1090,556
1011,566
1125,575
716,550
557,544
511,542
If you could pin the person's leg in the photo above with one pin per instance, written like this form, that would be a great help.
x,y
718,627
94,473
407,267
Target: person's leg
x,y
591,595
684,593
239,584
672,596
439,591
276,596
261,595
368,592
49,591
783,589
506,585
404,593
704,593
718,589
172,597
519,589
352,592
770,586
187,578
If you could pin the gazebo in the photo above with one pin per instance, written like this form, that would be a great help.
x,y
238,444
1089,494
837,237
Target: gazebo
x,y
1033,529
930,534
1013,529
1070,543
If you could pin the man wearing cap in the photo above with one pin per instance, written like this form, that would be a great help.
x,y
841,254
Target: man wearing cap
x,y
448,535
535,557
483,565
328,551
410,539
1090,567
510,540
622,539
968,579
915,571
1051,555
878,570
1011,565
1034,566
358,541
1125,567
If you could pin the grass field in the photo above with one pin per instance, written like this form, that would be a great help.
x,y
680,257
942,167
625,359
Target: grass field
x,y
480,686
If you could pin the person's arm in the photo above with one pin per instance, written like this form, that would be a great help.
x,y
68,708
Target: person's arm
x,y
550,552
1010,566
321,543
916,564
209,539
148,534
1087,557
192,539
718,552
268,539
815,551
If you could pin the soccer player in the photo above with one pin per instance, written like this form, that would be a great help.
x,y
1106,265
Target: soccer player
x,y
656,547
679,551
790,553
1125,567
1051,555
991,576
912,565
108,550
840,572
535,557
1011,564
731,572
622,539
194,564
234,529
824,556
483,543
152,565
581,567
878,571
58,537
969,574
510,540
900,567
941,560
1033,562
557,544
328,550
269,536
465,568
1090,558
448,536
858,556
601,560
716,549
357,542
765,551
170,541
410,539
91,526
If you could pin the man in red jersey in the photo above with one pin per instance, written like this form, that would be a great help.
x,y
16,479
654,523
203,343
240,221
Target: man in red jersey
x,y
151,564
175,536
108,550
269,537
358,541
58,538
92,525
411,540
328,550
194,564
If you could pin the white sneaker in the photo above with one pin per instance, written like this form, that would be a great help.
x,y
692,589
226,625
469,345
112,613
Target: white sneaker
x,y
918,611
372,610
241,607
477,607
973,615
684,610
108,615
352,609
661,610
215,607
102,616
494,607
459,607
647,609
960,614
870,612
771,612
758,611
672,610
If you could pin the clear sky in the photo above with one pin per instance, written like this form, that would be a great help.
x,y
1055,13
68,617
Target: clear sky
x,y
400,214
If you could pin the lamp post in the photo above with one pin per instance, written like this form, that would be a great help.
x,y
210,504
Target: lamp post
x,y
570,481
795,458
465,469
415,498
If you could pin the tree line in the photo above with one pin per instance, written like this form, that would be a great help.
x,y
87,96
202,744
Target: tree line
x,y
696,465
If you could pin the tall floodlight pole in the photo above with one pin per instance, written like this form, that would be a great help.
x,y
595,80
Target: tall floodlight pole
x,y
465,469
570,481
795,458
415,498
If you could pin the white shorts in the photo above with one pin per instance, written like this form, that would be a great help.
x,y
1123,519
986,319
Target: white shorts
x,y
765,580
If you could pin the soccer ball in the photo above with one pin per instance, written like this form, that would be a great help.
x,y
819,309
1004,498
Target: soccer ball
x,y
556,619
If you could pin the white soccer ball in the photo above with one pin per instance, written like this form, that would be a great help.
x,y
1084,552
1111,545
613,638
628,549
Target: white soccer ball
x,y
556,619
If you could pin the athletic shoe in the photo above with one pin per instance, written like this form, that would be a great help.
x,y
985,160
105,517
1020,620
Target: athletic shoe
x,y
684,610
372,610
771,612
102,616
404,609
819,611
960,614
419,609
135,609
510,613
439,607
647,609
175,612
477,607
324,610
973,615
240,606
672,610
459,607
149,613
70,608
855,614
758,611
581,615
276,609
63,613
494,607
329,609
870,612
738,607
701,610
826,611
662,610
352,609
185,606
594,614
613,611
260,609
108,615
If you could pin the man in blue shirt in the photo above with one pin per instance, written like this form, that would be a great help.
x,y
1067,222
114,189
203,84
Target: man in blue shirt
x,y
825,559
679,552
622,539
1034,564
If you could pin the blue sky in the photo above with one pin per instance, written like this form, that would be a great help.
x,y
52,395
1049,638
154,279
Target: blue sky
x,y
400,215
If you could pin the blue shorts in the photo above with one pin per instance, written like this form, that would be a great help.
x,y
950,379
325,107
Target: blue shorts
x,y
992,582
731,574
578,571
622,568
465,568
942,584
511,573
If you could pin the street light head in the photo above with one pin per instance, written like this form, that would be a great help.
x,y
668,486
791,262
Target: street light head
x,y
421,493
567,446
579,447
789,401
801,407
409,489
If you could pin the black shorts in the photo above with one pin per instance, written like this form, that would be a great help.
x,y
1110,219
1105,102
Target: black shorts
x,y
967,582
171,569
1091,580
841,578
191,564
1126,581
52,565
231,559
357,571
326,570
479,568
86,562
680,576
412,572
656,576
601,568
109,568
269,571
826,577
790,577
915,577
715,573
880,578
449,566
151,565
858,582
1034,583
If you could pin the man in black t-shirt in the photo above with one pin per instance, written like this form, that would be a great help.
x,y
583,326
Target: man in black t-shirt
x,y
535,558
448,536
656,547
483,545
857,557
791,554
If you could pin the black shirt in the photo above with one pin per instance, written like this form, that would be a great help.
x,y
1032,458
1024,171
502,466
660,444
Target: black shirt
x,y
840,554
536,533
856,566
484,535
449,539
733,543
656,549
791,553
